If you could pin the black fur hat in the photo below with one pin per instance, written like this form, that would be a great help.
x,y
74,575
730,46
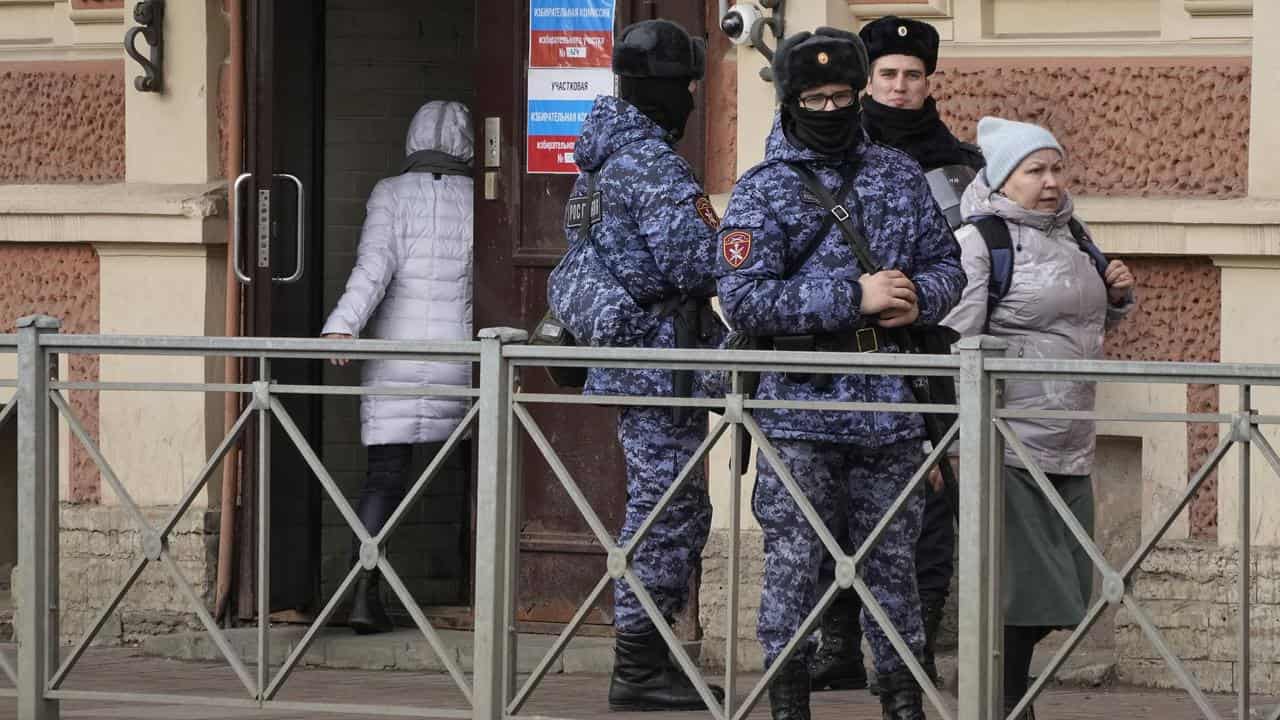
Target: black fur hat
x,y
891,35
659,49
809,59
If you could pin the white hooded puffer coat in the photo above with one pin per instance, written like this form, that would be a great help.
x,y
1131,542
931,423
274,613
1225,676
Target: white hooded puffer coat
x,y
413,281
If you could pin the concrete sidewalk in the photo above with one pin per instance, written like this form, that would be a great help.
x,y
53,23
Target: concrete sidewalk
x,y
407,649
566,696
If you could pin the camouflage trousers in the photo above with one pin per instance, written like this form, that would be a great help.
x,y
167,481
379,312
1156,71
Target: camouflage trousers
x,y
656,450
863,483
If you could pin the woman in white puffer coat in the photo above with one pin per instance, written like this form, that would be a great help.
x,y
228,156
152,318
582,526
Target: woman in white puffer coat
x,y
412,281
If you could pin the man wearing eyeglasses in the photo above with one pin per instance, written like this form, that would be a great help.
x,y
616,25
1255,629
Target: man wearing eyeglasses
x,y
898,111
788,274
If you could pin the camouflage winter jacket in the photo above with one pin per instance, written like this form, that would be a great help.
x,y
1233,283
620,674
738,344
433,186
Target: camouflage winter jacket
x,y
770,220
654,240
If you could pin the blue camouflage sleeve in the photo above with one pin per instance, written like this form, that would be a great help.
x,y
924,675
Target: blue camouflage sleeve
x,y
678,224
755,295
939,276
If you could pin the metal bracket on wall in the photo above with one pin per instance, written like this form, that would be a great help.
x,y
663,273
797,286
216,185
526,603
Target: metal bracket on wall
x,y
149,14
776,25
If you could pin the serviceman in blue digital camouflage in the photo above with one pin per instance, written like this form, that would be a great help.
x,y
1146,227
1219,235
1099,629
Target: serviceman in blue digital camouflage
x,y
640,272
779,281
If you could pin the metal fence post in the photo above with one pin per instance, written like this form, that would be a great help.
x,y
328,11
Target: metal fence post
x,y
981,623
262,400
37,522
494,635
1244,438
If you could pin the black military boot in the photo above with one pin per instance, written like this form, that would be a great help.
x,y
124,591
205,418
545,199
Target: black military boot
x,y
368,617
789,692
838,662
932,611
900,696
645,677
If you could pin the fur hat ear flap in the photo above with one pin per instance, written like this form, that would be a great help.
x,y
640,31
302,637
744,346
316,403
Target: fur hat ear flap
x,y
699,58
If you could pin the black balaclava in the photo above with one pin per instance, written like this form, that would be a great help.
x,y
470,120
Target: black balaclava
x,y
830,132
666,101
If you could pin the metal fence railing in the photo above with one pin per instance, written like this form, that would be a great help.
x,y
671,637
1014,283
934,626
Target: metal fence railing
x,y
8,414
42,403
501,418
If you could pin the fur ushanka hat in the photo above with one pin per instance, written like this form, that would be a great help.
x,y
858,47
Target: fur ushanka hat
x,y
810,59
658,49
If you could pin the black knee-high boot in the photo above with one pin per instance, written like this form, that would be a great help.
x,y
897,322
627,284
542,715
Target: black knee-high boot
x,y
381,493
1019,647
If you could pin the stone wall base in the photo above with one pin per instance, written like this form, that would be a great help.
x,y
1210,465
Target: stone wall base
x,y
99,546
1190,591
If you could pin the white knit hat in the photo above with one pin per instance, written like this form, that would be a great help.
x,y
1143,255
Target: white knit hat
x,y
1006,143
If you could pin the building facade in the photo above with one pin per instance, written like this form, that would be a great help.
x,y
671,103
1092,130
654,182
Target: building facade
x,y
114,215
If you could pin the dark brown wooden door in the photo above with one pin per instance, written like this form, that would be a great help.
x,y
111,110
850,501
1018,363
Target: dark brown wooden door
x,y
519,239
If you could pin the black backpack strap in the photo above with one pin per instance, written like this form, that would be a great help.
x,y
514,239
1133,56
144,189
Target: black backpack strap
x,y
1088,246
828,219
995,233
840,215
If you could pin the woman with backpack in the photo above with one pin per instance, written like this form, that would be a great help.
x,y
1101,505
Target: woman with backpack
x,y
1036,279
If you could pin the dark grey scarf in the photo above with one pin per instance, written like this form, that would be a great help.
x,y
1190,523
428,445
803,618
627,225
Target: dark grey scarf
x,y
435,162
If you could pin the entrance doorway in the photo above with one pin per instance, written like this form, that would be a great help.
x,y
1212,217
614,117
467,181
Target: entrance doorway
x,y
338,82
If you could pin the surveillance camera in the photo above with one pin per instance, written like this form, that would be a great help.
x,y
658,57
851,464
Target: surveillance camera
x,y
737,23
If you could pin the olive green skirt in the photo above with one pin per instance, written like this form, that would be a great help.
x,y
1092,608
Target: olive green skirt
x,y
1048,576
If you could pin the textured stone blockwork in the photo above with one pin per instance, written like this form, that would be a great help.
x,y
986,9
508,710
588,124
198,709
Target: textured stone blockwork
x,y
99,546
61,122
1190,590
1130,127
61,281
713,596
1178,318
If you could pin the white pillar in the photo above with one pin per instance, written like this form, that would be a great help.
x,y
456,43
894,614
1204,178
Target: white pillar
x,y
172,137
1264,112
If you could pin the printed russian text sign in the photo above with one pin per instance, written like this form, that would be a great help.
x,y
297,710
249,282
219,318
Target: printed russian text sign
x,y
570,48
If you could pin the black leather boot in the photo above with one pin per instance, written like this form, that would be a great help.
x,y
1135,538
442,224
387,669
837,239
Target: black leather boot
x,y
900,696
789,692
838,662
645,677
932,611
368,617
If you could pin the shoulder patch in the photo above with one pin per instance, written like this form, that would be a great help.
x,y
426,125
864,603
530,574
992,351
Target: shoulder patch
x,y
736,248
707,212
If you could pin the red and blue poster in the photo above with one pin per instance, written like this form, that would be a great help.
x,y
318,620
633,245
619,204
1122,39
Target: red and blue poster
x,y
570,33
570,48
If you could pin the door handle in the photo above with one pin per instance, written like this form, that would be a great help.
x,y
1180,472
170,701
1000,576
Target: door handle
x,y
300,267
264,252
241,275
